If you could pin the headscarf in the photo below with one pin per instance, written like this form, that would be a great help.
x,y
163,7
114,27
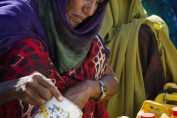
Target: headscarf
x,y
68,46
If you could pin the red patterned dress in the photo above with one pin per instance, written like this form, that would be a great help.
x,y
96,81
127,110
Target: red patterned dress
x,y
29,56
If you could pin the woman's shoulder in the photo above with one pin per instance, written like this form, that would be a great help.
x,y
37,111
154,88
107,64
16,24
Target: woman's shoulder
x,y
16,9
99,39
101,42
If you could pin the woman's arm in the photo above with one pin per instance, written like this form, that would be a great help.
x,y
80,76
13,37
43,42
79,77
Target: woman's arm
x,y
34,89
6,91
81,92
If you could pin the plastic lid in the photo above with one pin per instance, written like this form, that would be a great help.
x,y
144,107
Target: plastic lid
x,y
147,115
174,111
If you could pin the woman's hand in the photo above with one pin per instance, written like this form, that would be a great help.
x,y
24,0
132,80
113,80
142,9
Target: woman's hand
x,y
79,93
36,89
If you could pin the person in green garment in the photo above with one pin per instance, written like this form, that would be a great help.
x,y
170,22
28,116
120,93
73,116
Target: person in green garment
x,y
142,55
169,14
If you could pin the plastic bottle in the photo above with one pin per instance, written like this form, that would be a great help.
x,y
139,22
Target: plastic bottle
x,y
163,97
157,109
174,112
147,115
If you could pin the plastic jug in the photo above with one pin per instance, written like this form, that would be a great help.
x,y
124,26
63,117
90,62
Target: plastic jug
x,y
158,109
165,98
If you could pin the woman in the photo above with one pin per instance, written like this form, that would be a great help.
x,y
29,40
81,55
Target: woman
x,y
142,55
54,39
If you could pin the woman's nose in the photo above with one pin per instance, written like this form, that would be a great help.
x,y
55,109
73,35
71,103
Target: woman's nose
x,y
90,8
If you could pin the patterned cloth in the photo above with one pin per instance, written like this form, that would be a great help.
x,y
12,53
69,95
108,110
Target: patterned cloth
x,y
29,56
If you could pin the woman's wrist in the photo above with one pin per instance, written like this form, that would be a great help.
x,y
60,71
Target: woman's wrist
x,y
111,84
94,89
102,93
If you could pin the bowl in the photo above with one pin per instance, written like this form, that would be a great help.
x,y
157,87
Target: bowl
x,y
55,109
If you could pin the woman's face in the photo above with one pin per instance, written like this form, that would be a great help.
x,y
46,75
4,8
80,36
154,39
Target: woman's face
x,y
79,10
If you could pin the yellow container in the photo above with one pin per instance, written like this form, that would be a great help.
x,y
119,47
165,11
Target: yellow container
x,y
158,109
165,97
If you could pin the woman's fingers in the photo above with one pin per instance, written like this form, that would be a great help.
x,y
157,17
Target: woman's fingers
x,y
49,85
30,96
40,90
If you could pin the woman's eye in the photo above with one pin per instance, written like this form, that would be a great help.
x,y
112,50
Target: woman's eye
x,y
98,2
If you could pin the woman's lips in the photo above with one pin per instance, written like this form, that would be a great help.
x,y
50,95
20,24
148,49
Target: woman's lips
x,y
77,19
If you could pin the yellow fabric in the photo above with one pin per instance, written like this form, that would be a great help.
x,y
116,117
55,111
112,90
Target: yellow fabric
x,y
120,30
166,48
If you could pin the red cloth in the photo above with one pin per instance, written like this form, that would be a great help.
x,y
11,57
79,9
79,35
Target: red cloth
x,y
29,56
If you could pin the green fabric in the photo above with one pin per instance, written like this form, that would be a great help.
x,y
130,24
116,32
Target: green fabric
x,y
120,12
64,58
120,30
